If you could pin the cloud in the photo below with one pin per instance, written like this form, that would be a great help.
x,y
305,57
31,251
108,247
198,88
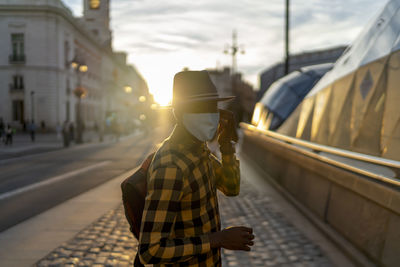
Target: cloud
x,y
163,36
75,5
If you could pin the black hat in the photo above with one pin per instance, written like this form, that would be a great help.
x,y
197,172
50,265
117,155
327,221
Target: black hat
x,y
194,86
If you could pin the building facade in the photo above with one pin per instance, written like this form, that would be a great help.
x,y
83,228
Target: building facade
x,y
297,61
233,85
48,54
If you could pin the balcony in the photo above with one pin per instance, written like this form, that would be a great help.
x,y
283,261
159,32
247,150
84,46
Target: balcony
x,y
16,89
17,59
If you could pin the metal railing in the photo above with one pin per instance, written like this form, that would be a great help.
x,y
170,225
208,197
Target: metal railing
x,y
15,88
392,164
16,59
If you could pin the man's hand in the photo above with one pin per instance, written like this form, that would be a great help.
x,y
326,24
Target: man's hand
x,y
233,238
226,129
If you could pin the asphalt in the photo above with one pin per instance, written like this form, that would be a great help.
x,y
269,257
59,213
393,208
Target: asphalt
x,y
32,184
44,142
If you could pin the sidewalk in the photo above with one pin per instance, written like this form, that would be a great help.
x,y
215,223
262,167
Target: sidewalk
x,y
22,145
283,236
44,142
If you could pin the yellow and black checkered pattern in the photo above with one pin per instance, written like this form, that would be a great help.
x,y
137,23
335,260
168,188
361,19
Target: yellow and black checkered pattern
x,y
181,207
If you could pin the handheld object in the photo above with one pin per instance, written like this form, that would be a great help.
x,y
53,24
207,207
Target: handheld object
x,y
227,124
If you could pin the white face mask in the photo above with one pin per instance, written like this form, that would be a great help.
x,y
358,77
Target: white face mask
x,y
203,126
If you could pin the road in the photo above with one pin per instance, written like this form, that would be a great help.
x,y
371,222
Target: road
x,y
32,184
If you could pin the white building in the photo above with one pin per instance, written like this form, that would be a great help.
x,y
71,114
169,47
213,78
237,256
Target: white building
x,y
39,41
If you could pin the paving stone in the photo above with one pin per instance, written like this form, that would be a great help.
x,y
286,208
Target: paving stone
x,y
77,254
95,250
90,256
72,260
101,260
124,258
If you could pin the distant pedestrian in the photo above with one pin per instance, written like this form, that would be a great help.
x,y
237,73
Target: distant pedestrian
x,y
116,129
98,131
43,126
66,133
58,131
108,125
9,135
32,130
2,130
101,132
71,131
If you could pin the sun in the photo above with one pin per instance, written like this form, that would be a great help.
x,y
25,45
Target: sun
x,y
160,86
163,96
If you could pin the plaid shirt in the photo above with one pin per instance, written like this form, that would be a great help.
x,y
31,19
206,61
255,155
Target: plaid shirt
x,y
181,207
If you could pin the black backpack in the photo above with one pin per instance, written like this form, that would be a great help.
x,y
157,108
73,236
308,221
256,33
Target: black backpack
x,y
134,189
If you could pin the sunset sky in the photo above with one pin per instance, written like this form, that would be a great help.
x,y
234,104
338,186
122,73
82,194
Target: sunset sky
x,y
164,36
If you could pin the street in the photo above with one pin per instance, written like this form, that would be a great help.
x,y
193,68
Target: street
x,y
32,184
283,236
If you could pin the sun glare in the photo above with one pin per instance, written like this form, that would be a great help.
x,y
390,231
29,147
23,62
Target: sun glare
x,y
161,88
160,74
162,97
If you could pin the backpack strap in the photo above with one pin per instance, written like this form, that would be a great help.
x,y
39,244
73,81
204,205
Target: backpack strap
x,y
146,164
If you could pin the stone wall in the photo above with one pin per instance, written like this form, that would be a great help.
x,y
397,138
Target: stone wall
x,y
364,211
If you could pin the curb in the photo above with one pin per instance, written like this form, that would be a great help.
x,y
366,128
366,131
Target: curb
x,y
61,148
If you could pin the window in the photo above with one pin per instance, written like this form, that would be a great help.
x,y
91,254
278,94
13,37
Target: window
x,y
17,41
94,4
66,53
68,88
18,82
18,110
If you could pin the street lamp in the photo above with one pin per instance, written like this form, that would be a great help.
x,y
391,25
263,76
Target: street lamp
x,y
74,64
83,68
233,49
142,98
142,117
32,105
128,89
79,67
287,28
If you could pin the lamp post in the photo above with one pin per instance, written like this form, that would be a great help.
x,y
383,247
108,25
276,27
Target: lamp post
x,y
32,105
287,57
79,67
233,49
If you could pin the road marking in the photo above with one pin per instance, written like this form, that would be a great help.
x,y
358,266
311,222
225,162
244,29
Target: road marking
x,y
52,180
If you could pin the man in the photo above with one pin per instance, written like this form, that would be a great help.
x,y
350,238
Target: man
x,y
9,135
32,130
2,129
181,223
66,133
